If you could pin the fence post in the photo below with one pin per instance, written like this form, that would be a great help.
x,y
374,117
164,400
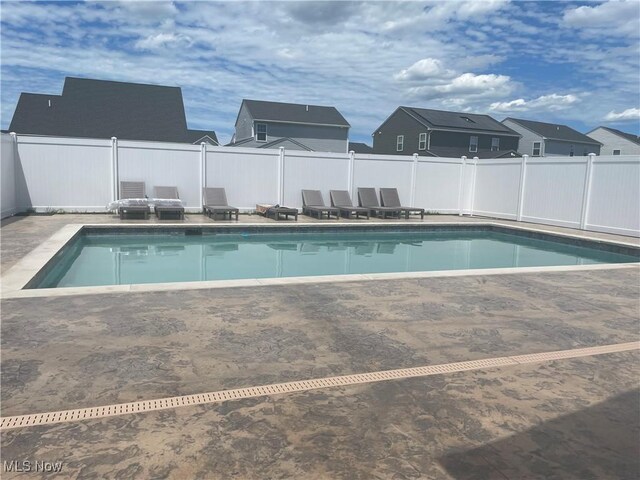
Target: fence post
x,y
281,177
473,186
16,194
414,174
586,194
523,178
114,169
460,183
352,160
203,172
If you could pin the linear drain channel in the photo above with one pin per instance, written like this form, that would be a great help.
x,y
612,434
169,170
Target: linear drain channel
x,y
49,418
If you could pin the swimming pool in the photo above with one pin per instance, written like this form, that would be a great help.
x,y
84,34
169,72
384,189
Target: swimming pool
x,y
123,256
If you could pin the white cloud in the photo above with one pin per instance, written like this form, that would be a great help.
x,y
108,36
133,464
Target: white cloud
x,y
612,18
627,115
552,102
163,40
365,58
466,87
424,69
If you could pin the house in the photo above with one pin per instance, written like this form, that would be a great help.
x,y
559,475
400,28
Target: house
x,y
90,108
439,133
615,142
550,139
262,124
358,147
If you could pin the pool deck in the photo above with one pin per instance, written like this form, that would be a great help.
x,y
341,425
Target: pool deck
x,y
569,418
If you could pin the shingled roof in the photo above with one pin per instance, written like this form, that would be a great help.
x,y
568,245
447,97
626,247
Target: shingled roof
x,y
295,113
629,136
92,108
458,120
554,131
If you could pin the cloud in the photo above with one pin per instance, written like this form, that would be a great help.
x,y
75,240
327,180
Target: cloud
x,y
424,69
627,115
552,102
365,58
612,18
163,40
466,86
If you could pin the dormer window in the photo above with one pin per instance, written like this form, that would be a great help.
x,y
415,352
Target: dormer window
x,y
261,132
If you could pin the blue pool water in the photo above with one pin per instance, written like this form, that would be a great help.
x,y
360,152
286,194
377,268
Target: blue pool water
x,y
114,259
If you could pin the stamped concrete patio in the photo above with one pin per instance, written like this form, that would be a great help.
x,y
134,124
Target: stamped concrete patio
x,y
572,418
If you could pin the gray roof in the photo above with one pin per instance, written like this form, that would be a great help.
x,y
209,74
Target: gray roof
x,y
103,109
360,147
458,120
554,131
629,136
196,135
252,143
295,113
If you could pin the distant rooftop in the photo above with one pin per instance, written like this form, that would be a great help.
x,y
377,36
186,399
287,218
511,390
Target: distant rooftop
x,y
295,113
554,131
629,136
458,120
91,108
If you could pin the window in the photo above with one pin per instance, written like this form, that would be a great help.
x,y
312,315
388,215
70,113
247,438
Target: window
x,y
473,144
422,141
571,151
584,152
261,132
537,147
495,144
400,143
616,152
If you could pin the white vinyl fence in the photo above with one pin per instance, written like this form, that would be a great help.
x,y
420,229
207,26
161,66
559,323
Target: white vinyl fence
x,y
82,175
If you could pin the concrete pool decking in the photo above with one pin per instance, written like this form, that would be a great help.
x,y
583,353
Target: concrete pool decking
x,y
572,418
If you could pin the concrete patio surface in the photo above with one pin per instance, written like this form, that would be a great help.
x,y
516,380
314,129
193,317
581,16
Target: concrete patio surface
x,y
574,418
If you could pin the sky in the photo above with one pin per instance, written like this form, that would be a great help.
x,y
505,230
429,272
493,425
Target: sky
x,y
576,63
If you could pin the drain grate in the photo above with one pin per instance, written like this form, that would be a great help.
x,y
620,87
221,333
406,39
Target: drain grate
x,y
49,418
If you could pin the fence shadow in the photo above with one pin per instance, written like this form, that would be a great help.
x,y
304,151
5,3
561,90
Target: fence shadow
x,y
597,442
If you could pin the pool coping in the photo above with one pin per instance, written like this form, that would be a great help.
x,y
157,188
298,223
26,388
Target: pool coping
x,y
19,275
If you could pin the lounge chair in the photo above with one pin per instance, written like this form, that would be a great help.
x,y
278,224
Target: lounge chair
x,y
169,208
342,200
389,198
367,198
139,205
215,202
313,205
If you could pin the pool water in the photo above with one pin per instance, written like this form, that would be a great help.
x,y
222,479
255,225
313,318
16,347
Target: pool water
x,y
118,259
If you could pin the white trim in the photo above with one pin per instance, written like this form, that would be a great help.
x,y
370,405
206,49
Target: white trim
x,y
421,141
533,147
400,143
266,136
471,144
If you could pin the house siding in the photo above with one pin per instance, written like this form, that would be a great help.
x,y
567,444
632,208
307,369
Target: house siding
x,y
610,142
319,138
400,123
316,137
550,147
244,124
462,139
525,145
560,148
